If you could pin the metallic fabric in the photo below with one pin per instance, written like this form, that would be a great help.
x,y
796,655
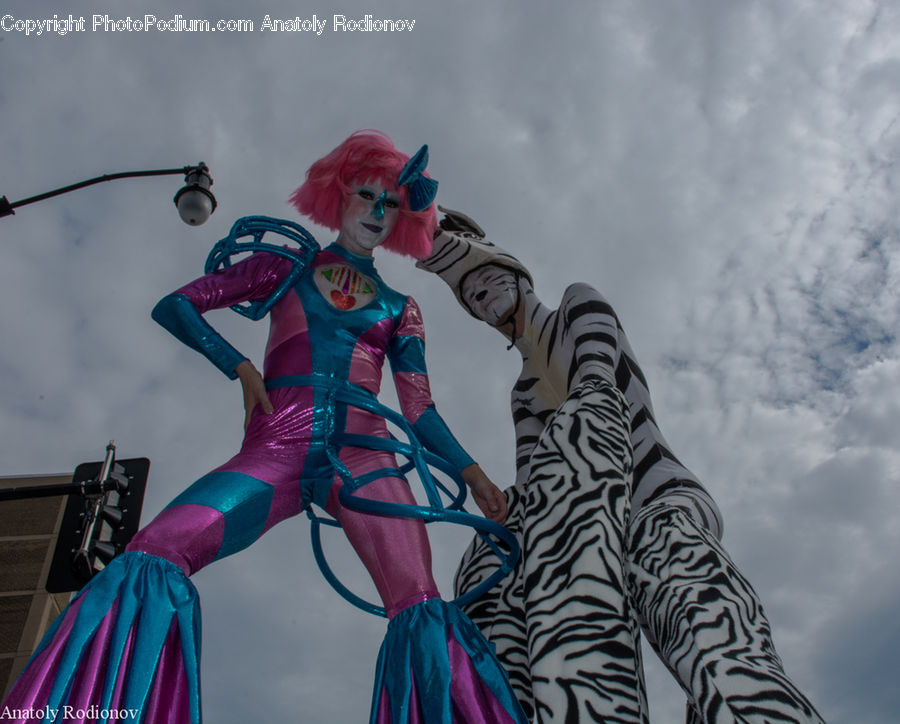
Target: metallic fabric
x,y
129,641
132,637
434,664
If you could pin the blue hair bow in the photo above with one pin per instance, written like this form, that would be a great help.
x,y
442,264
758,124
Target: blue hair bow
x,y
422,189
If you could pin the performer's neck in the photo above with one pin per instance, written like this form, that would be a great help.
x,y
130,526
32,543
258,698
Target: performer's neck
x,y
529,320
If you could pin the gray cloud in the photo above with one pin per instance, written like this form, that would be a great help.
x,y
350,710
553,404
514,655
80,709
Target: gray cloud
x,y
724,172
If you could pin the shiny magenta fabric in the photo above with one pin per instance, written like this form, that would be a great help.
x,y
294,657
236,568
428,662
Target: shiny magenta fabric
x,y
168,701
395,551
473,702
282,465
292,335
285,447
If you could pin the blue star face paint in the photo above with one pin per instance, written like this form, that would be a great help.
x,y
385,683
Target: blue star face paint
x,y
378,208
369,215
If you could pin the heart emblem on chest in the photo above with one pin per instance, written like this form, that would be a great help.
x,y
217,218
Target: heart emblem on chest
x,y
342,301
344,287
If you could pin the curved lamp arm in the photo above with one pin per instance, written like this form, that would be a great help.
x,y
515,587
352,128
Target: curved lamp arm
x,y
195,201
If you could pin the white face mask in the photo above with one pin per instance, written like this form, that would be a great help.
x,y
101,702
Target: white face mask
x,y
369,215
491,292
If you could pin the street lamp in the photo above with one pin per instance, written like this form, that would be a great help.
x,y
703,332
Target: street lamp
x,y
195,201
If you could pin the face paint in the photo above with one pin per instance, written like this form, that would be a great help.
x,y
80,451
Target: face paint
x,y
369,215
378,208
491,292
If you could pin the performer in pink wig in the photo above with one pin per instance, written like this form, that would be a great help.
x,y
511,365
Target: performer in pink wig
x,y
131,638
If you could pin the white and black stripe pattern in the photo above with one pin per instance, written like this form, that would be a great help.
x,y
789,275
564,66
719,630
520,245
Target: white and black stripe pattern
x,y
565,629
561,347
584,340
581,338
707,622
709,627
500,613
584,337
462,250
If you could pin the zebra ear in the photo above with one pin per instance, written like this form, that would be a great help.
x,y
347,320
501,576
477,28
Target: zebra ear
x,y
456,221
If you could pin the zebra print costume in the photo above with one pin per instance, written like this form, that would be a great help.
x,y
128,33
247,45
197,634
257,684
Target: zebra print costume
x,y
566,658
579,652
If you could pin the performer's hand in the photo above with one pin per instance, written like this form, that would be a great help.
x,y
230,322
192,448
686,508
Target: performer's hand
x,y
488,496
254,390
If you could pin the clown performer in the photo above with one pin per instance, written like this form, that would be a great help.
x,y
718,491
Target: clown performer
x,y
614,529
131,639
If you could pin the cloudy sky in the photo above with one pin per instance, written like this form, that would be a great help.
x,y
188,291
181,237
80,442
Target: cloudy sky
x,y
725,172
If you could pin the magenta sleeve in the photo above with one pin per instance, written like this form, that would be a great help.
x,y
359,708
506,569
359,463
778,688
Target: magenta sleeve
x,y
181,312
407,356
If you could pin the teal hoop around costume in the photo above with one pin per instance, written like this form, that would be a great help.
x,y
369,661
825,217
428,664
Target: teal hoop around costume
x,y
421,461
257,226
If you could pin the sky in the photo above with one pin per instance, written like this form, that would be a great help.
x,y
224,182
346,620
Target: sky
x,y
725,173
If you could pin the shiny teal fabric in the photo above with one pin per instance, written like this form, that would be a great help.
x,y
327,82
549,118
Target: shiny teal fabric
x,y
435,435
243,500
408,355
328,342
176,313
151,593
415,654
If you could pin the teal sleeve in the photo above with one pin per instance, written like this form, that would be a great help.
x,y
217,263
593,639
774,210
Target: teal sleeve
x,y
179,316
434,434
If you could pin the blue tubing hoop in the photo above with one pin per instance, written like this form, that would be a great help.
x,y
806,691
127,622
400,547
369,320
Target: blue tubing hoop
x,y
421,461
256,227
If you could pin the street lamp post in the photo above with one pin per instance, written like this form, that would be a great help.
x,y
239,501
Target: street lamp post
x,y
194,200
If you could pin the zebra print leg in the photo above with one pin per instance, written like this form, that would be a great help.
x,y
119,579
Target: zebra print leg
x,y
584,658
500,613
709,625
561,622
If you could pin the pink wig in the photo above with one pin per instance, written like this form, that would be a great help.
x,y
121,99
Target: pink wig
x,y
365,156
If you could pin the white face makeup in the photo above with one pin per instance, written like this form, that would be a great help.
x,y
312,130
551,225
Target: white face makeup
x,y
369,215
491,292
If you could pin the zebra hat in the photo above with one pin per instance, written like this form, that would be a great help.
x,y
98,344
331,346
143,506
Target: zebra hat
x,y
460,248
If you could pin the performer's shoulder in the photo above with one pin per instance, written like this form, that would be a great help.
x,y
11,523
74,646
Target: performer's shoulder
x,y
267,262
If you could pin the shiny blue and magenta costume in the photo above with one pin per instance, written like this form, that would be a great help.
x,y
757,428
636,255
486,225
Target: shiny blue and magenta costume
x,y
135,627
